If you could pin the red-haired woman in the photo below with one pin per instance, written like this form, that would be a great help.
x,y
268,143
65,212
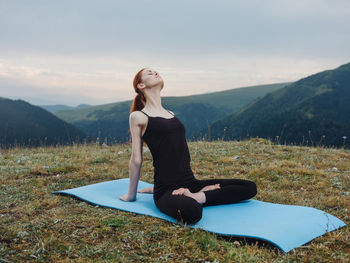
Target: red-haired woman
x,y
176,192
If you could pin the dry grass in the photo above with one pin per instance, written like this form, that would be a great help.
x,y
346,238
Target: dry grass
x,y
38,226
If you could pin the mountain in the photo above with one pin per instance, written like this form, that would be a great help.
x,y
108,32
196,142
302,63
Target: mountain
x,y
58,107
110,122
24,124
312,111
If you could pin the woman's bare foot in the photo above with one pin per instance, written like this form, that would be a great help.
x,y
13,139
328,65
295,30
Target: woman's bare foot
x,y
148,190
179,191
210,187
199,196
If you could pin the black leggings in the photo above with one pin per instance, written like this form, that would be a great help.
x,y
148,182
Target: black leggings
x,y
188,210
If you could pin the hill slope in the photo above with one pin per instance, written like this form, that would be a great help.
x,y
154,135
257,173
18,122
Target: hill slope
x,y
24,124
111,121
59,107
313,110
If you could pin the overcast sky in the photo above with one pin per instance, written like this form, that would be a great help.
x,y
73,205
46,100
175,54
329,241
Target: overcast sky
x,y
82,51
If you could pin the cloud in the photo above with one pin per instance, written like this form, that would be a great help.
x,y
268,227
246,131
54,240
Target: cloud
x,y
114,82
310,28
88,50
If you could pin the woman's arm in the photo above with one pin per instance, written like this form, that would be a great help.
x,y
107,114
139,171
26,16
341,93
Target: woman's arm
x,y
134,175
136,159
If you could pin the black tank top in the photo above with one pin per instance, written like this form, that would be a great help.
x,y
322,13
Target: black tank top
x,y
166,139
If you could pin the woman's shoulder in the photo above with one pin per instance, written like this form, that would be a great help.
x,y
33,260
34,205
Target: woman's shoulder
x,y
137,117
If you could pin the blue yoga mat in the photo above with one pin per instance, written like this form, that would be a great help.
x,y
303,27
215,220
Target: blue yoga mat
x,y
286,226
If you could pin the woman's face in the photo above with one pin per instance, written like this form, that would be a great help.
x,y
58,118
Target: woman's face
x,y
151,78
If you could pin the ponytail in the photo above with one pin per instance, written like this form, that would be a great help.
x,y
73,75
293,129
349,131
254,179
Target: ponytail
x,y
139,101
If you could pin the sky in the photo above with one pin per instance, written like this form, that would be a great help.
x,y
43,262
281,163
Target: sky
x,y
88,52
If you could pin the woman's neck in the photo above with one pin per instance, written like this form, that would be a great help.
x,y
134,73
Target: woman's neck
x,y
153,101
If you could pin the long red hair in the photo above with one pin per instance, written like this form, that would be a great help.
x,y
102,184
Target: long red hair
x,y
140,99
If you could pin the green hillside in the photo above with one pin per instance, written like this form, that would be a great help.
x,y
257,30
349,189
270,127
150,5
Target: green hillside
x,y
313,110
59,107
110,122
23,124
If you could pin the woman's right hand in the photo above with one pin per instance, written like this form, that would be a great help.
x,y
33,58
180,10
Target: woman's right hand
x,y
127,198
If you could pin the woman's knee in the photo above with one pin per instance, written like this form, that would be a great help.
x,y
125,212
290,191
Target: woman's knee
x,y
252,188
191,213
182,208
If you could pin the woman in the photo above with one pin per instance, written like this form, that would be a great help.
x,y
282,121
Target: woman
x,y
176,192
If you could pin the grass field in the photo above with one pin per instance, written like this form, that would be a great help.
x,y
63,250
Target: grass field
x,y
38,226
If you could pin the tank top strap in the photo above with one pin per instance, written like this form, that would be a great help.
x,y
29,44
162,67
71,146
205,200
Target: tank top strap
x,y
144,113
170,113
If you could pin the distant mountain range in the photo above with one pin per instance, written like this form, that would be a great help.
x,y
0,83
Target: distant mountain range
x,y
110,122
58,107
312,111
23,124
